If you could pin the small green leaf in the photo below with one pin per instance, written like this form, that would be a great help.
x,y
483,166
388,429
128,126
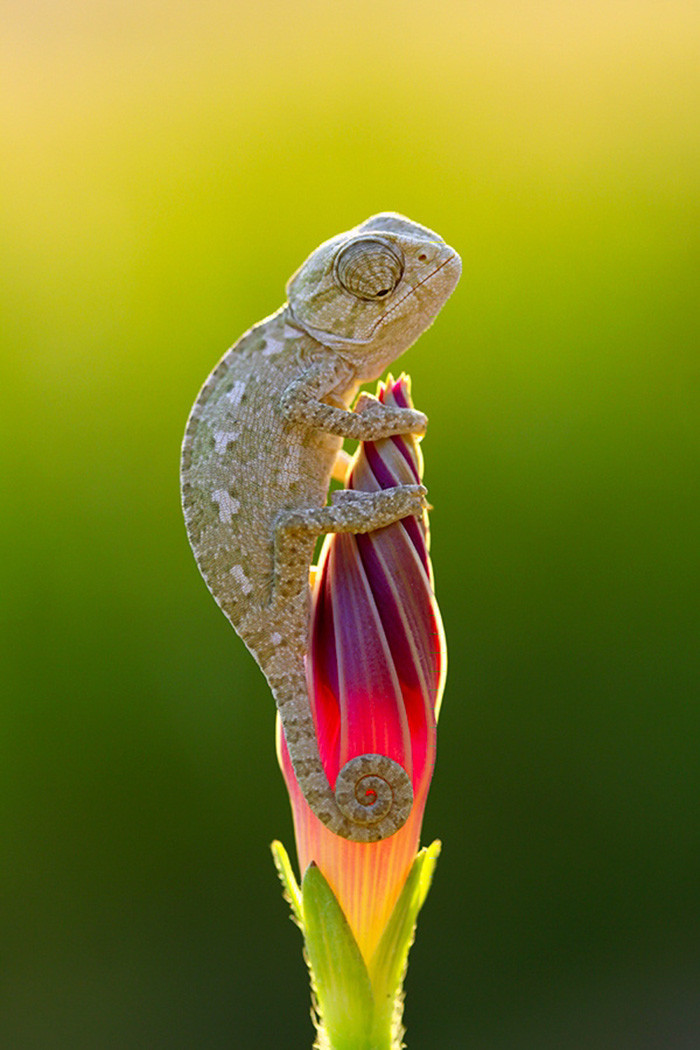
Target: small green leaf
x,y
338,970
430,856
390,958
290,886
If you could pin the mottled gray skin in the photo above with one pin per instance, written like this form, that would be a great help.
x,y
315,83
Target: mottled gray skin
x,y
259,451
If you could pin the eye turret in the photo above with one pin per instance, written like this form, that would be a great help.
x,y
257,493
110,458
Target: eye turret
x,y
369,268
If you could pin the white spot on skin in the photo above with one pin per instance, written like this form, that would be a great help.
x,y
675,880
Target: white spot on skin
x,y
275,638
273,347
228,506
241,579
235,394
223,438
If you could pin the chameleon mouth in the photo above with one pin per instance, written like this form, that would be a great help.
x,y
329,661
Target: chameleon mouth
x,y
454,257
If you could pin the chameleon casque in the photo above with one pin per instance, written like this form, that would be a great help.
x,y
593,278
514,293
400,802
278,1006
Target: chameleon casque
x,y
262,442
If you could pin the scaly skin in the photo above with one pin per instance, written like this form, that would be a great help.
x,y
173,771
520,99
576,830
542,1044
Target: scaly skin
x,y
257,458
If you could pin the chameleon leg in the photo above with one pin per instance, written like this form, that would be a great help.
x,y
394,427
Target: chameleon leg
x,y
373,794
351,511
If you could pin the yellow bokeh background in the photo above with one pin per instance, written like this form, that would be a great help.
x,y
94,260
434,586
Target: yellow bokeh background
x,y
165,168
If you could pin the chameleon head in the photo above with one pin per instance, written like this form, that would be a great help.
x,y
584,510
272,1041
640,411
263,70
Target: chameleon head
x,y
369,293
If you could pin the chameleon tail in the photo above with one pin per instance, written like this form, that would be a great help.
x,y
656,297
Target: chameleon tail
x,y
373,794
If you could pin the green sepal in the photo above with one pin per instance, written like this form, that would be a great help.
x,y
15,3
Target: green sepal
x,y
359,1008
290,886
340,978
388,964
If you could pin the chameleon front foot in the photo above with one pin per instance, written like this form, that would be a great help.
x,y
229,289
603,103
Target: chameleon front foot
x,y
375,414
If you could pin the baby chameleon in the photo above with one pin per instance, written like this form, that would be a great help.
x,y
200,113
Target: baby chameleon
x,y
264,438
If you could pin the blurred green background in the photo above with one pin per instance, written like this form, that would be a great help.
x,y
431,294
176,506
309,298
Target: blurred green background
x,y
165,168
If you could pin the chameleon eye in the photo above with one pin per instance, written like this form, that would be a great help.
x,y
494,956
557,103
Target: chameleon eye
x,y
369,268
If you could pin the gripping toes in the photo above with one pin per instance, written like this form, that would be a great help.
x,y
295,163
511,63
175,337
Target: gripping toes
x,y
388,419
401,502
364,511
412,422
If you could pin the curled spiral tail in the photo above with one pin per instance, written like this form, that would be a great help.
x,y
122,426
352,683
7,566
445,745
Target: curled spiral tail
x,y
376,796
373,795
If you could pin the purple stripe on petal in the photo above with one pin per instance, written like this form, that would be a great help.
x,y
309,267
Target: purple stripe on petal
x,y
405,605
407,611
414,529
324,636
372,712
379,468
397,393
407,454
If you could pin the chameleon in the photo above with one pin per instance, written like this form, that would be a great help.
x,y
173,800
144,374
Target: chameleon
x,y
263,440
